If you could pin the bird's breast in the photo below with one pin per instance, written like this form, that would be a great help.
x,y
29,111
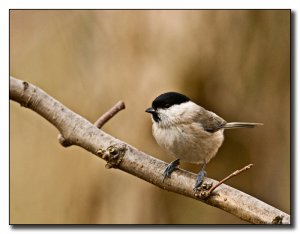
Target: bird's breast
x,y
189,143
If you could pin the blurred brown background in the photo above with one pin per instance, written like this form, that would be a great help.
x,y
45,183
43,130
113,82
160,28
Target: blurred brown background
x,y
233,62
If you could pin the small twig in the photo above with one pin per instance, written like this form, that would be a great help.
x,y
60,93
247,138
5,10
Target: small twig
x,y
229,177
120,105
205,194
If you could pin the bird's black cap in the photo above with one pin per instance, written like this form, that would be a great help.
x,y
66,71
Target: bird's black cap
x,y
168,99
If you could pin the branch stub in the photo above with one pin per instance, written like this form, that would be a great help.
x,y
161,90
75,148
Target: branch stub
x,y
113,155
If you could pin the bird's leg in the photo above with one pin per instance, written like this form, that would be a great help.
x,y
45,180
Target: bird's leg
x,y
170,168
200,176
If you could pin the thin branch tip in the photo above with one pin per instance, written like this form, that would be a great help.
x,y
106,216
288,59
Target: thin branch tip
x,y
205,194
120,105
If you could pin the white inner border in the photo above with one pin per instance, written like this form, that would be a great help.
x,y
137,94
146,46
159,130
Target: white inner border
x,y
5,5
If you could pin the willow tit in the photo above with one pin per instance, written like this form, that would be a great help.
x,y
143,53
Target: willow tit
x,y
188,131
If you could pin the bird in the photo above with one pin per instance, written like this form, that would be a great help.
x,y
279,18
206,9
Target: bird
x,y
188,131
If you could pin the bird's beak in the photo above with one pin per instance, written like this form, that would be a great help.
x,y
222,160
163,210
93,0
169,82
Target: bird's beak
x,y
150,110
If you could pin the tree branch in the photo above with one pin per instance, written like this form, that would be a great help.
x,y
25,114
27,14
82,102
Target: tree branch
x,y
99,123
78,131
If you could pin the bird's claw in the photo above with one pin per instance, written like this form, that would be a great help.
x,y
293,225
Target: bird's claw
x,y
199,180
170,168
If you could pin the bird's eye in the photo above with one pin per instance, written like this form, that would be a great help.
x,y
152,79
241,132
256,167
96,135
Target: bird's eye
x,y
167,105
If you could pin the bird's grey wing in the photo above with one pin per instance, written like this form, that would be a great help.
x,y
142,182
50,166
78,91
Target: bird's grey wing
x,y
210,121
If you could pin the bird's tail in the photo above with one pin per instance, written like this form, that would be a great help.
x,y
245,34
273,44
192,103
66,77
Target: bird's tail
x,y
241,125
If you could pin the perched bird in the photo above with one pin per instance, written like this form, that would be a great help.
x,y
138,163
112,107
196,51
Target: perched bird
x,y
188,131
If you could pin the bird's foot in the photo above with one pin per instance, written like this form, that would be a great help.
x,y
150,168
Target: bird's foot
x,y
170,168
199,179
